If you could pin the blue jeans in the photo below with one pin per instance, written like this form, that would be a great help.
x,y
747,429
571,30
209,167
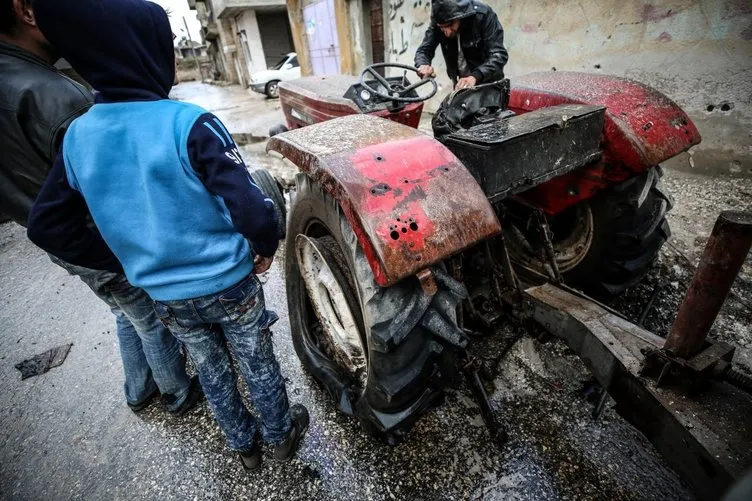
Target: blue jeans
x,y
151,355
244,320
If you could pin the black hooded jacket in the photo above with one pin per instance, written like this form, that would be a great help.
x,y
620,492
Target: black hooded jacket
x,y
481,36
164,181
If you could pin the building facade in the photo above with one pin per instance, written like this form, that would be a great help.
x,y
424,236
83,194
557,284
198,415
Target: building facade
x,y
698,52
185,48
243,36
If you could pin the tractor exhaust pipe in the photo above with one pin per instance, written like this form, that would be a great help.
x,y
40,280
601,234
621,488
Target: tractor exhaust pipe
x,y
721,261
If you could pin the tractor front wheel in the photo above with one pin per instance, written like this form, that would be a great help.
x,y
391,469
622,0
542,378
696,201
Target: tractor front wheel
x,y
383,354
271,188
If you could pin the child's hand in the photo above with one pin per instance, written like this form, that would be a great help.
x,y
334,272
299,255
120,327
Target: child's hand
x,y
261,264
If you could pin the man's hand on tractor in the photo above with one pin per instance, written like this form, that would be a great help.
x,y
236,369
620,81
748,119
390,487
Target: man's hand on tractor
x,y
426,71
465,83
261,264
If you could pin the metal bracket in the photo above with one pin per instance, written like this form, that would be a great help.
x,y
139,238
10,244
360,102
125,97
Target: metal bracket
x,y
428,282
471,369
713,362
548,247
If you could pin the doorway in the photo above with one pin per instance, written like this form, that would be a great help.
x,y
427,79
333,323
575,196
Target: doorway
x,y
321,35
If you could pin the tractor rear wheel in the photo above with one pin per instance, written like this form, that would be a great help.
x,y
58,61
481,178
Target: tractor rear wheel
x,y
383,354
608,243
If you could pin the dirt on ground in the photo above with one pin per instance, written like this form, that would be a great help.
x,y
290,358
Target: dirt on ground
x,y
698,202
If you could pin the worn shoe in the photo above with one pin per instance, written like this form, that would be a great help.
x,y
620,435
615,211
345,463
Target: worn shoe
x,y
143,404
195,394
251,459
300,420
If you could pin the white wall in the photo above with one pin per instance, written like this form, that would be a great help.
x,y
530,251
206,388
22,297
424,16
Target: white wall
x,y
247,21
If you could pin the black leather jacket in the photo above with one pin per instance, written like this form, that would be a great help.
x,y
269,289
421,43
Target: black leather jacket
x,y
37,103
482,39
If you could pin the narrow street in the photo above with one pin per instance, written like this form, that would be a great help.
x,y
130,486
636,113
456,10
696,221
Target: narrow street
x,y
68,434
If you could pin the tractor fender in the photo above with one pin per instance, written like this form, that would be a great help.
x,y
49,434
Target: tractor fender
x,y
409,200
642,128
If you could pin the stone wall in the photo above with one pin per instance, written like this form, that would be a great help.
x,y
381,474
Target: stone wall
x,y
699,53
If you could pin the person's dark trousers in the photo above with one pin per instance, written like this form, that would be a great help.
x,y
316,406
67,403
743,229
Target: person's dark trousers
x,y
151,355
245,326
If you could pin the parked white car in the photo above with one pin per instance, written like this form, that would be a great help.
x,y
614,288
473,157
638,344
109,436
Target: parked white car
x,y
265,82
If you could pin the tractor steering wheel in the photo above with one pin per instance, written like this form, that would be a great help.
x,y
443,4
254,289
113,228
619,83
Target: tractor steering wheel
x,y
397,92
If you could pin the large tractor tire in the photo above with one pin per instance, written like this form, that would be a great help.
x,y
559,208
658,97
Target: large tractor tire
x,y
608,243
273,190
383,354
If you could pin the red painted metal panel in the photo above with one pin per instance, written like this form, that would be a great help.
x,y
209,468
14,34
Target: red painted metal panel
x,y
643,128
410,202
314,100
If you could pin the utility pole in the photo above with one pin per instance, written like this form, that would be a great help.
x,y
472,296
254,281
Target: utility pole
x,y
193,50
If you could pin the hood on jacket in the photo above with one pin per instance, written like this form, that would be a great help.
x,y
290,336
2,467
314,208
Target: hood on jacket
x,y
123,48
445,11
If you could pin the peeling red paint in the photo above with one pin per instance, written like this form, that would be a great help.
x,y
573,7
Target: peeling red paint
x,y
316,99
651,13
409,200
643,128
665,37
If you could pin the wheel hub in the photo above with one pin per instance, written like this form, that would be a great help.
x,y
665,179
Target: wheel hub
x,y
339,334
572,237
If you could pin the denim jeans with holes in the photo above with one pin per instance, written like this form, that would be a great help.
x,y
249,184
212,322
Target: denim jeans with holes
x,y
151,355
240,312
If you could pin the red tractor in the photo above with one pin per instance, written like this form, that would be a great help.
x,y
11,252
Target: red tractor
x,y
400,245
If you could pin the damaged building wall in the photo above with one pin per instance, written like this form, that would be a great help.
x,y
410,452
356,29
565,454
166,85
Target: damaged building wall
x,y
699,53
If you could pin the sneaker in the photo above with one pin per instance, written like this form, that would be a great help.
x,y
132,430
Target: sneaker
x,y
300,419
143,404
195,394
251,459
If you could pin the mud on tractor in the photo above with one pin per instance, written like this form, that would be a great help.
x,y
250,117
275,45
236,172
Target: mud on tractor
x,y
400,244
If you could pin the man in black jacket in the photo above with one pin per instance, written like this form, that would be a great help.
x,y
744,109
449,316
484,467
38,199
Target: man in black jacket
x,y
37,104
471,39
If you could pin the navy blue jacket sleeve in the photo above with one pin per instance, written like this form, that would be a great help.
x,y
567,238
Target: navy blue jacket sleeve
x,y
60,223
216,160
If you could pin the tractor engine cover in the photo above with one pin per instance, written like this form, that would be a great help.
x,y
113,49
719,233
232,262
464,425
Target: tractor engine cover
x,y
510,155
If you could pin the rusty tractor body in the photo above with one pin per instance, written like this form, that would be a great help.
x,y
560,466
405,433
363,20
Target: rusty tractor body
x,y
400,245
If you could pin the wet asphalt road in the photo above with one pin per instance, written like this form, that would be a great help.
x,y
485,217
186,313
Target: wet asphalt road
x,y
69,435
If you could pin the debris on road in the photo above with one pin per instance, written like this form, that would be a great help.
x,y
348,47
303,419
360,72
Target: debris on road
x,y
43,362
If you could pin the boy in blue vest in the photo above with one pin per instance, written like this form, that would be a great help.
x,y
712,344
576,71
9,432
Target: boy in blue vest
x,y
172,199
